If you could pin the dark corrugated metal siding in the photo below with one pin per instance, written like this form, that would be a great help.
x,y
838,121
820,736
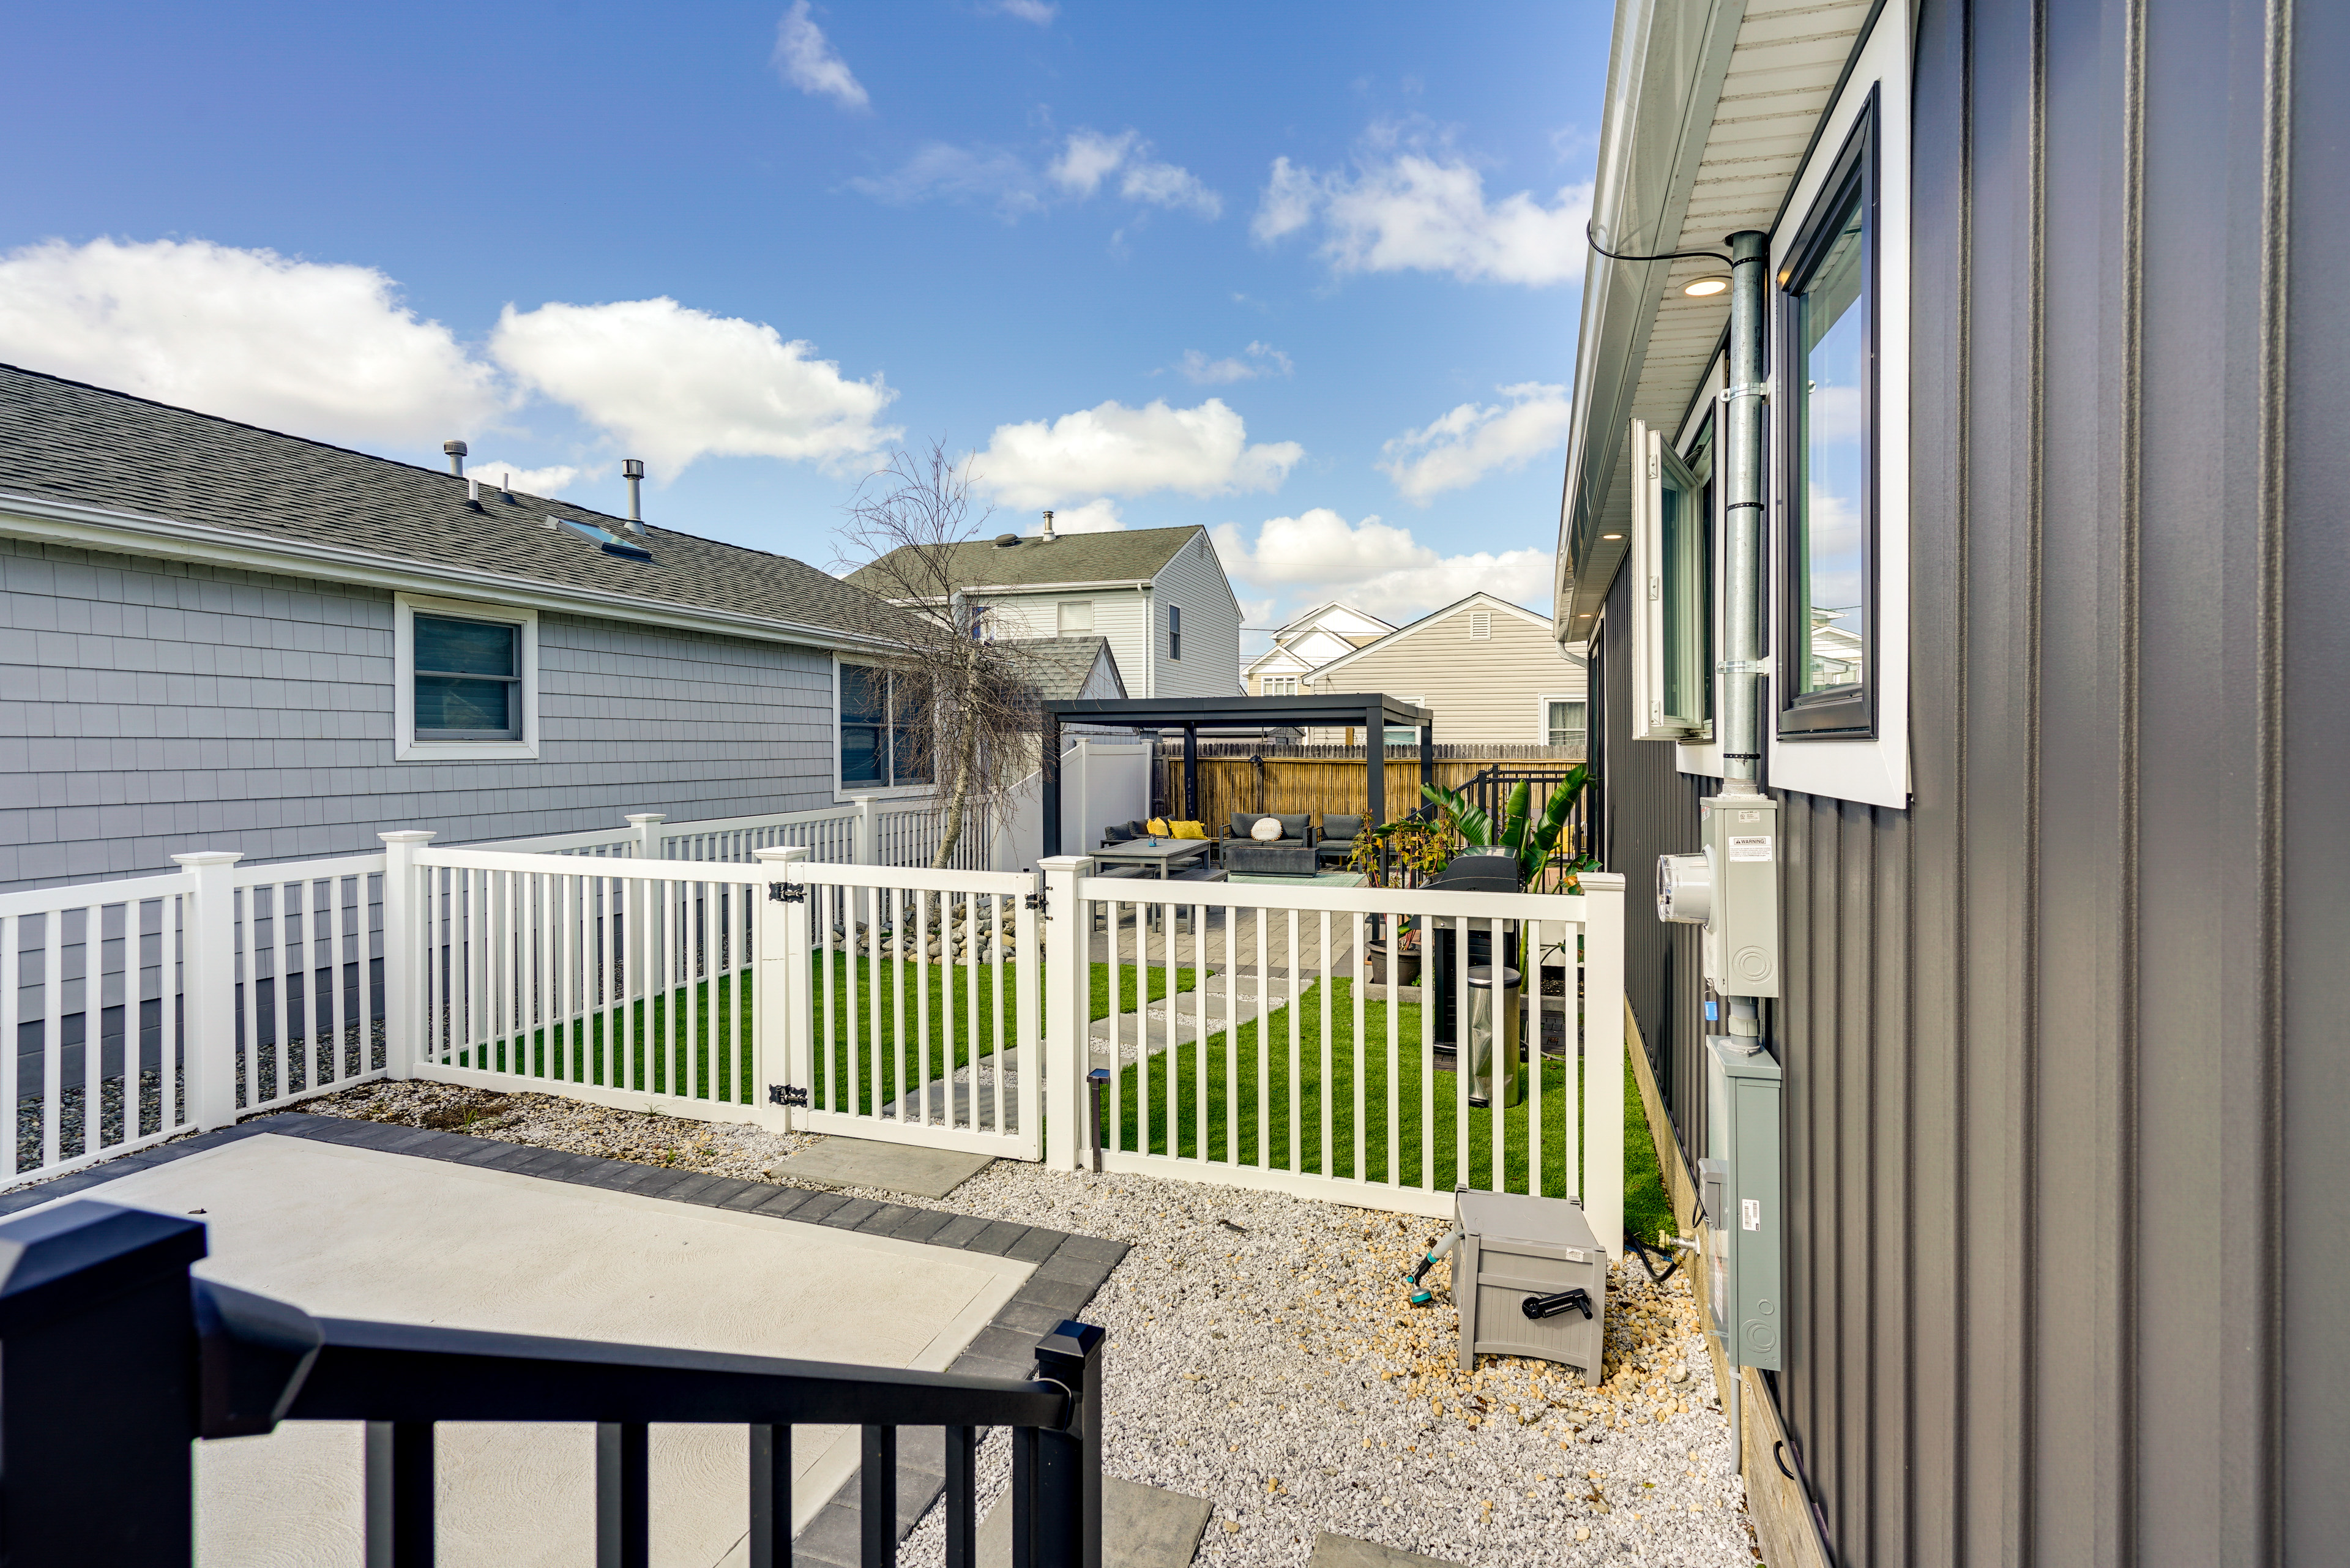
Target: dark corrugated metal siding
x,y
2067,1083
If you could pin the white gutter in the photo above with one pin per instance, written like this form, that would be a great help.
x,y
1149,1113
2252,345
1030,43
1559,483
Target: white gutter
x,y
105,528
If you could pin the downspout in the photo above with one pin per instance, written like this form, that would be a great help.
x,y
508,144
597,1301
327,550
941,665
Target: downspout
x,y
1742,666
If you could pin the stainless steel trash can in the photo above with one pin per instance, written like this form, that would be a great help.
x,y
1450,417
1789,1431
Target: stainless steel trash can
x,y
1514,1249
1494,1078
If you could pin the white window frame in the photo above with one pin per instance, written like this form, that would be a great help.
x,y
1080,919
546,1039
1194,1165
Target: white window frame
x,y
406,747
1703,756
843,792
1657,466
1875,770
1542,716
1061,627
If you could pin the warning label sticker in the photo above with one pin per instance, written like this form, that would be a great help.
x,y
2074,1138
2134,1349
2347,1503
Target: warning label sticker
x,y
1755,847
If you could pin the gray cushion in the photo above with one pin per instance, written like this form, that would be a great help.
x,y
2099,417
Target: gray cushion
x,y
1241,822
1294,826
1337,827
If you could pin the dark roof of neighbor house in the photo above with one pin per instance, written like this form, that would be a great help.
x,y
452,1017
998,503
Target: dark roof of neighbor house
x,y
1120,556
1060,666
70,441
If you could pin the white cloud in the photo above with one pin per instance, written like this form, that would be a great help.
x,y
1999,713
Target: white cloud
x,y
808,61
320,349
1096,516
1088,159
1079,171
1035,11
1257,360
1318,555
1475,439
1112,449
1422,210
553,481
675,384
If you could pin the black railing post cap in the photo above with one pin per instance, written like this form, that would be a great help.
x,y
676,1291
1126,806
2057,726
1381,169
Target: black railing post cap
x,y
1073,1340
60,1260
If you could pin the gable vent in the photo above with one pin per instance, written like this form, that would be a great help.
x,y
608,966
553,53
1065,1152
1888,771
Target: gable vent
x,y
1480,624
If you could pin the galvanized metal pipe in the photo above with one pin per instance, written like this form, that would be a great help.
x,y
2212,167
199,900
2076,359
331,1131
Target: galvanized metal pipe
x,y
1741,665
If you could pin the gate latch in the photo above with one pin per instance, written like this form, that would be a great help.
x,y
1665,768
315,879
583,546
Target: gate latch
x,y
786,1094
1037,902
787,892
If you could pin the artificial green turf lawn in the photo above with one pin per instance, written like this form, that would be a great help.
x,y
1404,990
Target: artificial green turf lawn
x,y
1234,1129
1646,1209
707,1009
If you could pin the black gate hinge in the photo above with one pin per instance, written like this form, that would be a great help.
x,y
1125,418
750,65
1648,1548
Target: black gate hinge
x,y
787,892
1037,902
787,1095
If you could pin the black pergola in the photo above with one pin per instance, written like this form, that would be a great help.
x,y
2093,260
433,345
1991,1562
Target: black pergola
x,y
1372,710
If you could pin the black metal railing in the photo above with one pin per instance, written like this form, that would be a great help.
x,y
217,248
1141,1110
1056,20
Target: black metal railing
x,y
117,1360
1489,790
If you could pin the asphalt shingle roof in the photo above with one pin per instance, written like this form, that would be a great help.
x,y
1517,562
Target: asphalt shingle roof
x,y
1058,666
70,441
1125,555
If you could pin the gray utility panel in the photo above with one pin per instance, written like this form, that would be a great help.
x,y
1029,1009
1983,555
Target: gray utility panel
x,y
1738,1183
1515,1249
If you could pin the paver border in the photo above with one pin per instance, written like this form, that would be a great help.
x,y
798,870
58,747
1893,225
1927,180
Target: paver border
x,y
1069,1269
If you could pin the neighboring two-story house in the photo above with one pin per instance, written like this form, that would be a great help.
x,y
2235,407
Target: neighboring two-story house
x,y
1306,643
1489,670
1159,597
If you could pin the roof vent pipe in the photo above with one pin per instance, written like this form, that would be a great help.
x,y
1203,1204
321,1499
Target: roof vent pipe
x,y
633,470
1742,599
456,451
1047,535
474,494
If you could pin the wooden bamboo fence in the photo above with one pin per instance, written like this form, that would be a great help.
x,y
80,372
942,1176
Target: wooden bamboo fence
x,y
1318,779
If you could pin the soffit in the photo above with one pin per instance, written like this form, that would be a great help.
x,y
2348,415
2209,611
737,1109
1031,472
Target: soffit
x,y
1783,70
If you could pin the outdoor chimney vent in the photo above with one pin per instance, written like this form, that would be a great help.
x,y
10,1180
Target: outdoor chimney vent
x,y
456,451
1047,535
632,469
1005,541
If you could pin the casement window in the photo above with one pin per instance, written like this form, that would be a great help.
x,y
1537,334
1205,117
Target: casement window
x,y
1175,632
1076,617
1672,567
467,681
1825,424
1565,721
883,741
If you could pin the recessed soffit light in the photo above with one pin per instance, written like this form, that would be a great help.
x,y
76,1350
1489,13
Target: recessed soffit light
x,y
1611,535
1699,289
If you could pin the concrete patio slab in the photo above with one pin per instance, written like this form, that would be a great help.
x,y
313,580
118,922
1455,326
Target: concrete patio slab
x,y
1346,1552
1142,1526
357,1233
891,1166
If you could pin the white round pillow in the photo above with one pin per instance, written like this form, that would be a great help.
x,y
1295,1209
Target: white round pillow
x,y
1267,830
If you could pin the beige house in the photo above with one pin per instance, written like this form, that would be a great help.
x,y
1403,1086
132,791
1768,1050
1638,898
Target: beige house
x,y
1489,670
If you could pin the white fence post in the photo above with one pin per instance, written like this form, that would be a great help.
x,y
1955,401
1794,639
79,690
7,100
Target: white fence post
x,y
779,1010
648,834
403,956
1603,1057
863,848
210,932
1066,1048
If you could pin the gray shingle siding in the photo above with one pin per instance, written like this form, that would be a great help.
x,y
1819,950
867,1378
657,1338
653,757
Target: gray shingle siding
x,y
150,706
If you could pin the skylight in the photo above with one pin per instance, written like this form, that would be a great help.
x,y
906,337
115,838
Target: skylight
x,y
611,543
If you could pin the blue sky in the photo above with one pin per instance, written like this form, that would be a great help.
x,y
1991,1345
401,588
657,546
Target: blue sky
x,y
1281,271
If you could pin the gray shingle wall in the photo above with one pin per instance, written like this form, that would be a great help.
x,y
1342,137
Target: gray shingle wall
x,y
150,707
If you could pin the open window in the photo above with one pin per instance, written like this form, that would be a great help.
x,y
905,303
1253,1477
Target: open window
x,y
1672,565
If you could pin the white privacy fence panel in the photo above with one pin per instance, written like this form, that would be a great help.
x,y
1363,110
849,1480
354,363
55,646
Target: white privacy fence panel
x,y
904,1004
94,1008
622,983
1294,1038
308,953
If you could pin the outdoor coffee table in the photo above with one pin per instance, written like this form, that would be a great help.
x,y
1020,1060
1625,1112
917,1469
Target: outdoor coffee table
x,y
1164,857
1243,859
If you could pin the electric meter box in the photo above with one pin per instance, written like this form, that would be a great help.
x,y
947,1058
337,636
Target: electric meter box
x,y
1738,1185
1730,887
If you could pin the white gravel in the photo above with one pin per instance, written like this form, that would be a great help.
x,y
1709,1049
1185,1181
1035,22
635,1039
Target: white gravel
x,y
1276,1370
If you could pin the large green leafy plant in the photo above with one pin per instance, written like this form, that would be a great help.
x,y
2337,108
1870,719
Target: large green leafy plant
x,y
1424,845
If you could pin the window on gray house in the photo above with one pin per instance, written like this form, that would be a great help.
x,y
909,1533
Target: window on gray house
x,y
1828,316
1174,631
468,679
881,731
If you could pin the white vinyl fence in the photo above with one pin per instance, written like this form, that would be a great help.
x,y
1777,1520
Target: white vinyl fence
x,y
1297,1037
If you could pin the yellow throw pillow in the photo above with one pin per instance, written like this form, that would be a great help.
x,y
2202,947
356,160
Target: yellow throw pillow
x,y
1190,829
1156,827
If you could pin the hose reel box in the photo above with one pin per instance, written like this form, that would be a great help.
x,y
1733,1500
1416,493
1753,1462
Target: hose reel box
x,y
1515,1250
1730,887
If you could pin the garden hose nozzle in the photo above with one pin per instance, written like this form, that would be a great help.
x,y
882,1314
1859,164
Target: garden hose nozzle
x,y
1451,1239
